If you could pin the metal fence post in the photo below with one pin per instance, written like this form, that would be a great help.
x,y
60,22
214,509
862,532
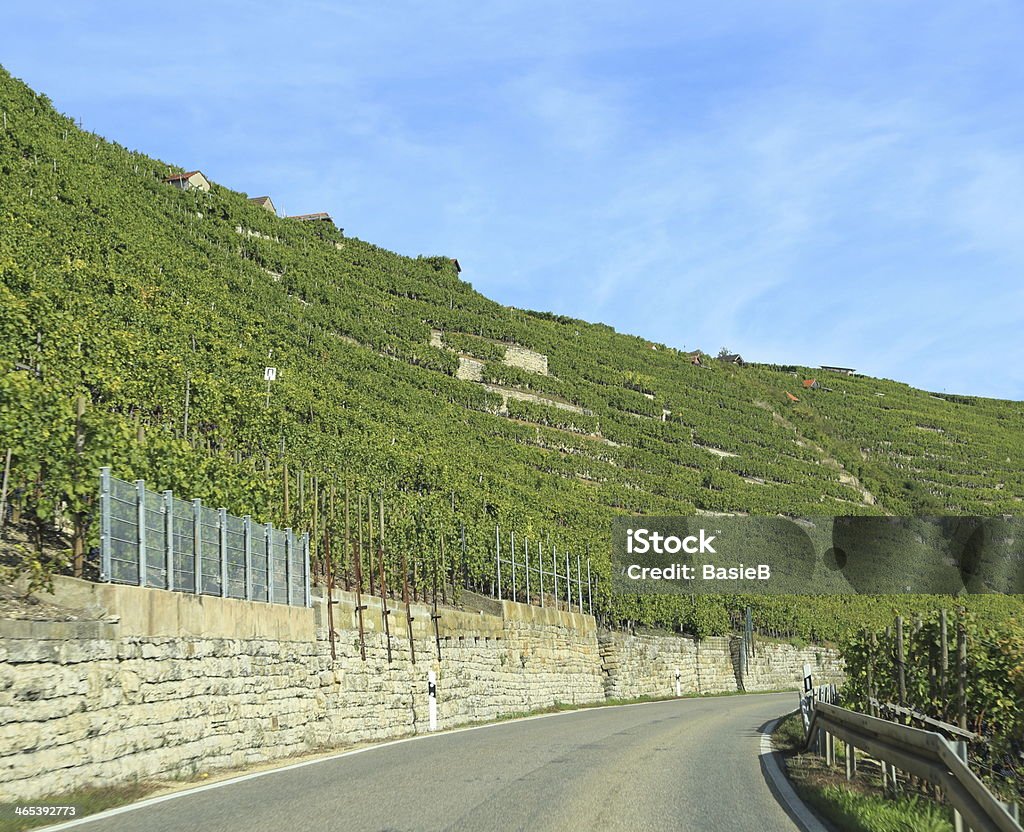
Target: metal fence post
x,y
288,564
497,550
526,550
197,545
140,514
590,591
222,528
169,538
540,569
268,548
247,538
579,583
568,585
305,568
105,542
554,570
512,546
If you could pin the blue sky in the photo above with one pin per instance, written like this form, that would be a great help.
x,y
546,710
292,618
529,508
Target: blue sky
x,y
804,182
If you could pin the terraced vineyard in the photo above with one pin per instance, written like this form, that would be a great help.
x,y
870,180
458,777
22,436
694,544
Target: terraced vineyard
x,y
162,307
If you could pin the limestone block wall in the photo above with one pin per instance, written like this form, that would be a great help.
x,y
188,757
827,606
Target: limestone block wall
x,y
165,684
526,359
637,665
143,695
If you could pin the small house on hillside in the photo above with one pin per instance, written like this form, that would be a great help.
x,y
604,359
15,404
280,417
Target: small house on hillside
x,y
733,358
458,268
811,384
264,202
694,358
846,371
192,180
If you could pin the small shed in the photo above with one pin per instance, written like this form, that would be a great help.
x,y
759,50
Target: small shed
x,y
733,358
811,384
458,268
321,216
191,180
791,397
264,202
694,358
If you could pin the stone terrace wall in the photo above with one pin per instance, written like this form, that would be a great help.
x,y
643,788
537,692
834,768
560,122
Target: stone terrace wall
x,y
646,665
166,684
173,684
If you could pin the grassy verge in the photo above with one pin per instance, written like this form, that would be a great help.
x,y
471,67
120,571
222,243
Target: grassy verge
x,y
857,806
84,801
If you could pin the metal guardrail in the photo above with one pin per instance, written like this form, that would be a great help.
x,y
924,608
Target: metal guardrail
x,y
925,754
155,539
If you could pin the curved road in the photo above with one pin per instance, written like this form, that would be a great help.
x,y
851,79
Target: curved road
x,y
688,764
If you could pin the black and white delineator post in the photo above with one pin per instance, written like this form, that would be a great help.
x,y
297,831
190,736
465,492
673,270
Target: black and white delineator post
x,y
807,698
679,688
432,699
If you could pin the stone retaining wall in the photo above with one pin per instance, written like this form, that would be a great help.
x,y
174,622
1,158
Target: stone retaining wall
x,y
166,684
646,665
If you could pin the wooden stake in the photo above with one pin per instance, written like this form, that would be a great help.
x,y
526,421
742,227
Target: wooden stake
x,y
330,590
900,668
3,490
961,668
359,569
78,535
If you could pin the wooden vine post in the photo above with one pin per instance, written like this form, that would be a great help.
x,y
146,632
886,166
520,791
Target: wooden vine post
x,y
961,668
385,611
901,671
78,532
358,560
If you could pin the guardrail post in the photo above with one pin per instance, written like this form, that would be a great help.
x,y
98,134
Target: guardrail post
x,y
140,514
105,542
197,545
169,538
222,537
960,747
288,564
851,761
247,538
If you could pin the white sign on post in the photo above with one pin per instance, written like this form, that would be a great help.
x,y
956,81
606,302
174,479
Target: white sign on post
x,y
270,373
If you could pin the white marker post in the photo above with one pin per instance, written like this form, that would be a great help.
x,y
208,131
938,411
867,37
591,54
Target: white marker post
x,y
679,687
432,701
269,375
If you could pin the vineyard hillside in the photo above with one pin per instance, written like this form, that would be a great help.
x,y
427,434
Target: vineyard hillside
x,y
154,310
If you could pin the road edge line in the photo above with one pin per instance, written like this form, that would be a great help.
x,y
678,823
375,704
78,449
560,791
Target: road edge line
x,y
770,759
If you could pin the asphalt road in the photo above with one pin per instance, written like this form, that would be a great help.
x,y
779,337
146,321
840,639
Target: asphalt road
x,y
689,764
